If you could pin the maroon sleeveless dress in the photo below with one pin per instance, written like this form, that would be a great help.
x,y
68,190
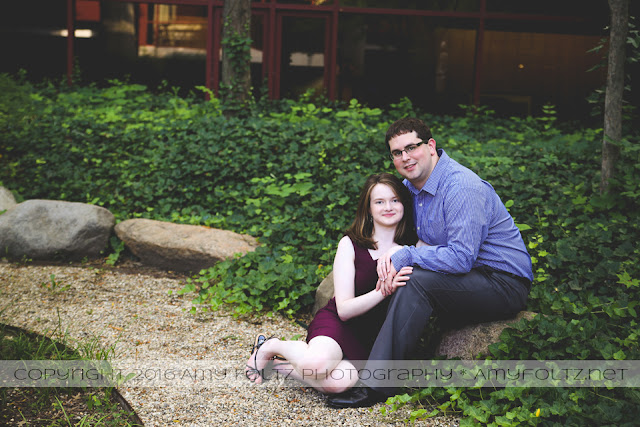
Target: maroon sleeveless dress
x,y
355,336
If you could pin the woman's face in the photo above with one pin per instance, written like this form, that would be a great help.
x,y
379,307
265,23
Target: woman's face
x,y
385,207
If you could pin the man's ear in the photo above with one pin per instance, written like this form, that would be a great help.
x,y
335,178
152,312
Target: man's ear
x,y
432,146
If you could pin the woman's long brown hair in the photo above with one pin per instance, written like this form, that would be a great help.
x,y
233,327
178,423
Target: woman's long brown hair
x,y
361,231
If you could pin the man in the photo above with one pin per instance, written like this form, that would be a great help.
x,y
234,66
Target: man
x,y
473,268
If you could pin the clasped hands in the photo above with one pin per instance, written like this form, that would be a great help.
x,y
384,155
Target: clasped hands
x,y
388,277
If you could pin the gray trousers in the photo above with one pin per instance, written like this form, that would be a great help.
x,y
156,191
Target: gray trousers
x,y
481,295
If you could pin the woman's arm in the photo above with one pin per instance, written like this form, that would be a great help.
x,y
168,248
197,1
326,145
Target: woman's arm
x,y
344,273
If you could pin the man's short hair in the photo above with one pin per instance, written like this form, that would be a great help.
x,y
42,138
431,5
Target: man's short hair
x,y
408,125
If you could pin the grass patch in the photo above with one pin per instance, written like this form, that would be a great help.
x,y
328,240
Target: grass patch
x,y
56,406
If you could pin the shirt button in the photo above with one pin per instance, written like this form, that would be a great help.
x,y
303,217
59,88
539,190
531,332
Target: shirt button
x,y
420,204
418,228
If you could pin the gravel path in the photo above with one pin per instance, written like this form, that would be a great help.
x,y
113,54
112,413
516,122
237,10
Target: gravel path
x,y
130,308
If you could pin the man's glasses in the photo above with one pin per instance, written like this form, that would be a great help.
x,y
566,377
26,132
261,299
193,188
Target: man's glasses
x,y
397,154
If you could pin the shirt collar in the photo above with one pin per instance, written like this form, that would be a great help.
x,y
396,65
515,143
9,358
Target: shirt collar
x,y
433,182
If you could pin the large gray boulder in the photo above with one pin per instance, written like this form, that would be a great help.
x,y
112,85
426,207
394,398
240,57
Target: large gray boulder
x,y
50,230
465,343
181,247
7,201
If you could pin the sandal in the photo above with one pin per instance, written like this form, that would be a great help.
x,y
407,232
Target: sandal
x,y
252,372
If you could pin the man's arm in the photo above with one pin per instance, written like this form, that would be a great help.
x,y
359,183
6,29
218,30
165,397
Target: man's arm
x,y
387,273
465,216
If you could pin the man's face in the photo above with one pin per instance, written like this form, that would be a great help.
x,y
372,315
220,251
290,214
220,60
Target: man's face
x,y
416,166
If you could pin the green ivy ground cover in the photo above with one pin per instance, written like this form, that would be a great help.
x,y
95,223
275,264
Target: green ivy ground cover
x,y
289,172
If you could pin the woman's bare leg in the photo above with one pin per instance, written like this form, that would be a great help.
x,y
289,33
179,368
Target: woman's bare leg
x,y
313,363
341,378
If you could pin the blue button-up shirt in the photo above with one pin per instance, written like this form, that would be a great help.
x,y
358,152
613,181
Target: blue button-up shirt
x,y
465,223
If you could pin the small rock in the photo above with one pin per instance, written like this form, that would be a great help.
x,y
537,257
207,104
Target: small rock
x,y
472,340
323,294
181,247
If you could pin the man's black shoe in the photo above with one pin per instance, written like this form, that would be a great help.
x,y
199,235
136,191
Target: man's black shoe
x,y
356,397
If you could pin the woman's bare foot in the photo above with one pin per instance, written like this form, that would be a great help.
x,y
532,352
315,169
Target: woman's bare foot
x,y
258,361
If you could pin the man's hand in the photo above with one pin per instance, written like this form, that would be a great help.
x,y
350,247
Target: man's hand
x,y
401,278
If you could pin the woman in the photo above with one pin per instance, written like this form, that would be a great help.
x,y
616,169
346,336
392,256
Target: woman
x,y
344,330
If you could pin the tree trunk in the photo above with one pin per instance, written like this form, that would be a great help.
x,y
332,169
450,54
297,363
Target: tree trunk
x,y
120,42
615,88
236,55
